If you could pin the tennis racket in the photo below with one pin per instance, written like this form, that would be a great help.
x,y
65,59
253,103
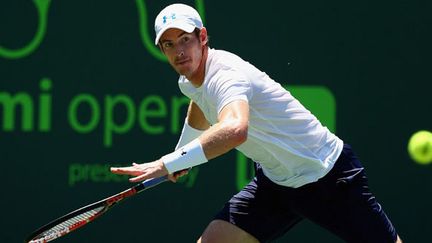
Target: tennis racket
x,y
80,217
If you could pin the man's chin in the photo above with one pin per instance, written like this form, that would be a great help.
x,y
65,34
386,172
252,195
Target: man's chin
x,y
183,71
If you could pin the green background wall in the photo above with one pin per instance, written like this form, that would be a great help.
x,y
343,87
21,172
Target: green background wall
x,y
94,95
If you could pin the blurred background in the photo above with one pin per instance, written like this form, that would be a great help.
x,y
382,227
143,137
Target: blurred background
x,y
82,88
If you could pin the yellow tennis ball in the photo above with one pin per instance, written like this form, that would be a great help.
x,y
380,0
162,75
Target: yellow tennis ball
x,y
420,147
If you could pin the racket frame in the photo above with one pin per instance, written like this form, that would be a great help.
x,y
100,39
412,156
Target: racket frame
x,y
106,203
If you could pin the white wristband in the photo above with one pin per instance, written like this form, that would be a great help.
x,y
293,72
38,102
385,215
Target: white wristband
x,y
188,156
188,134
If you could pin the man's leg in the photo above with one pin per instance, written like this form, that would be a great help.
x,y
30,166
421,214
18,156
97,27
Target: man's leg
x,y
252,215
342,203
219,231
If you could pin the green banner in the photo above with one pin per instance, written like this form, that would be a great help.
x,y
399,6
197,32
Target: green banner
x,y
83,88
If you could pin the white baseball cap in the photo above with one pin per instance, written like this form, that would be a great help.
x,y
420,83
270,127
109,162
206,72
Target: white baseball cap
x,y
179,16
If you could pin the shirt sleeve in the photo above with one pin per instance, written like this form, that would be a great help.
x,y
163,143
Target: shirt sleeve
x,y
227,87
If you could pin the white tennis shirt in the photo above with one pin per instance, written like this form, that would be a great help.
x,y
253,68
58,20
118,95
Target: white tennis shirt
x,y
291,145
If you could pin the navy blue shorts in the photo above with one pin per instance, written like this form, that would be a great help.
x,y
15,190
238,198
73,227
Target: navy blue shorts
x,y
340,202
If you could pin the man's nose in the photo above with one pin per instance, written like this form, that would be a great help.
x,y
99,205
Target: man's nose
x,y
180,52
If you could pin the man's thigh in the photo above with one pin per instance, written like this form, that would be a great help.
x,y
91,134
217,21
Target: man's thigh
x,y
343,203
258,210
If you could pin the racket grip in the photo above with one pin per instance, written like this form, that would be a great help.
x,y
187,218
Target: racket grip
x,y
154,181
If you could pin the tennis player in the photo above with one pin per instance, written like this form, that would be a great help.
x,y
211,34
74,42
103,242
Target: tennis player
x,y
302,169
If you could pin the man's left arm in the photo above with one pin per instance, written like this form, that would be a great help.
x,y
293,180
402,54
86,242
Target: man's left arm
x,y
229,132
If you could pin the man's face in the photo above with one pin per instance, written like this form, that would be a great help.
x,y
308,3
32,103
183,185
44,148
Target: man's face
x,y
183,50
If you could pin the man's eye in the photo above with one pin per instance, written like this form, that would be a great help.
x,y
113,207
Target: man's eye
x,y
186,39
167,44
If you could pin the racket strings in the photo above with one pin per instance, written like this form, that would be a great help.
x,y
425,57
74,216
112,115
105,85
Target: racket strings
x,y
69,225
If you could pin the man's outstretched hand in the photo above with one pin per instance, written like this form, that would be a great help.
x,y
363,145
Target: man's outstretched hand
x,y
144,171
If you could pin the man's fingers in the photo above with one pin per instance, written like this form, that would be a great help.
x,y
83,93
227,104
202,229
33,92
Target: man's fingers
x,y
138,178
172,178
125,171
181,173
176,175
140,172
117,170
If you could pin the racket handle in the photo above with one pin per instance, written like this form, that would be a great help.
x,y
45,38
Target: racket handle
x,y
154,181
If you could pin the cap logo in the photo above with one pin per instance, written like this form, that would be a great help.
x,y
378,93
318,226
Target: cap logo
x,y
173,16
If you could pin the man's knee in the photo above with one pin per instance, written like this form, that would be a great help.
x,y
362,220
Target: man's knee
x,y
398,240
219,231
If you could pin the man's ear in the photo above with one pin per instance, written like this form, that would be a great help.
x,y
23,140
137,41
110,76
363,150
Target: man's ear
x,y
203,36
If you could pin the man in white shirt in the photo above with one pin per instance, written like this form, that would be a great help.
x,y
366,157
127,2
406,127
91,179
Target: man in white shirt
x,y
302,169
